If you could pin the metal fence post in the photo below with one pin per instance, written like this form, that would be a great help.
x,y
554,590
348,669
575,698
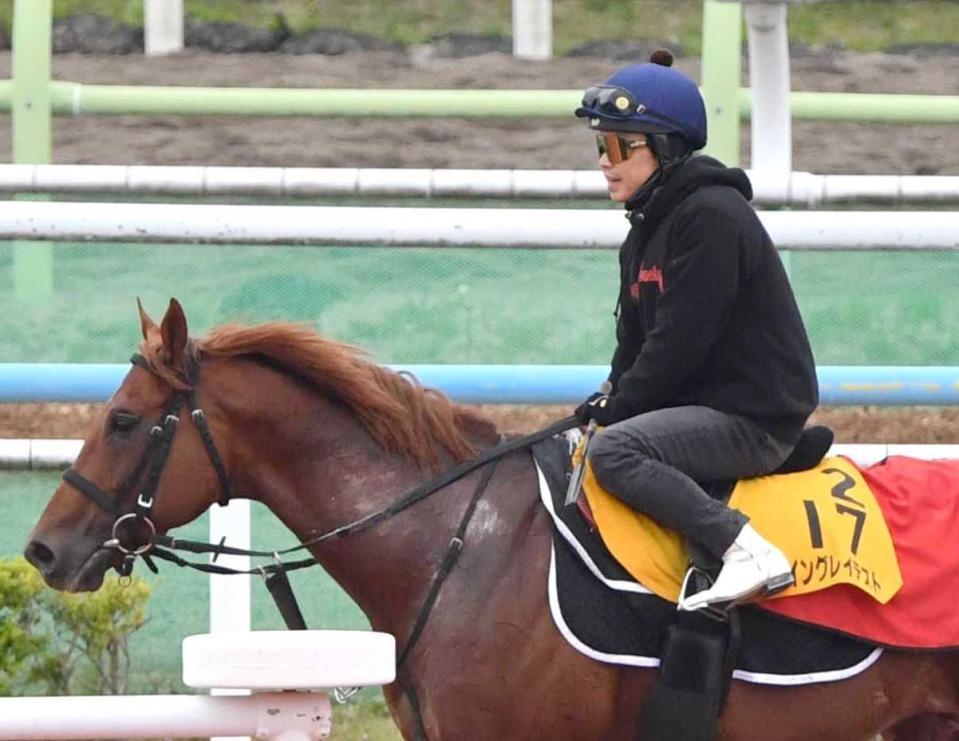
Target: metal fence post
x,y
162,27
721,71
32,131
533,29
769,79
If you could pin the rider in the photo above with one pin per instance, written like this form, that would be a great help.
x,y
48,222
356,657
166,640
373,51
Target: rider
x,y
713,377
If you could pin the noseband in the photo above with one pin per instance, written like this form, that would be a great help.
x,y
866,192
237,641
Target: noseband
x,y
149,469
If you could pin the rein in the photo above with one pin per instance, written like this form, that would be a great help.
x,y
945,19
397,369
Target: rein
x,y
154,458
150,467
366,521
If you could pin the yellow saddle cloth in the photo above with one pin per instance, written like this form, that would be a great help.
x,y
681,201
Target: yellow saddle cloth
x,y
826,520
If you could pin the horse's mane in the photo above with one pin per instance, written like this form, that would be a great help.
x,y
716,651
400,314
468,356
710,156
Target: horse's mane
x,y
401,415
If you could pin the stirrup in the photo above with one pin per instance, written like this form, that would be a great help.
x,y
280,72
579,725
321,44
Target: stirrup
x,y
719,611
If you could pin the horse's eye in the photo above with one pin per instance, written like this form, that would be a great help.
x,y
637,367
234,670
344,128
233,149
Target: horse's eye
x,y
123,422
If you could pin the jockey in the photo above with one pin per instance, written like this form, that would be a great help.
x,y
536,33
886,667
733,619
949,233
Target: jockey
x,y
713,377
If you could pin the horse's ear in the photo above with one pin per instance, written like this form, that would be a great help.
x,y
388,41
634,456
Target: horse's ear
x,y
174,333
146,323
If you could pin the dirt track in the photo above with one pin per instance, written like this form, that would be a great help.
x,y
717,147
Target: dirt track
x,y
543,143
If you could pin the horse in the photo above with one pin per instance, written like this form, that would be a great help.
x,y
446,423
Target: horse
x,y
322,436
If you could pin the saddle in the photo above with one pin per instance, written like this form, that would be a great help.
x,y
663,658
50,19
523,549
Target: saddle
x,y
825,519
700,650
828,634
698,655
814,443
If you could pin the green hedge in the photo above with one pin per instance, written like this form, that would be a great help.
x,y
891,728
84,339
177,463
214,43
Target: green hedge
x,y
53,643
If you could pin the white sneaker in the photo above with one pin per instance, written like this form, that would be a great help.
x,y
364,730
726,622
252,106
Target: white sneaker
x,y
751,566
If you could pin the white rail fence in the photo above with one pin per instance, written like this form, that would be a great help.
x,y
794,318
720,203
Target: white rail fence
x,y
441,227
162,27
287,672
770,188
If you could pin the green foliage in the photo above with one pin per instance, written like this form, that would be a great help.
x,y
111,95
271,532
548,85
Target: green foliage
x,y
26,652
368,720
123,11
58,643
861,25
874,25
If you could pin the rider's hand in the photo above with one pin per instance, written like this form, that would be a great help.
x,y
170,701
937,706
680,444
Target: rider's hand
x,y
598,406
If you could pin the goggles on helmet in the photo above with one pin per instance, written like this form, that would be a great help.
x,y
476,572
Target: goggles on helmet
x,y
617,147
609,100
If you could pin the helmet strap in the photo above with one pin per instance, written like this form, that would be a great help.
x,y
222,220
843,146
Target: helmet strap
x,y
670,150
644,192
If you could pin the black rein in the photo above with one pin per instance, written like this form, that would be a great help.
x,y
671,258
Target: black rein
x,y
158,545
154,458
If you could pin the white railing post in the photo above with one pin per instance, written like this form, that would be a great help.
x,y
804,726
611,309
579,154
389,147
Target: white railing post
x,y
533,29
771,133
162,27
230,595
230,602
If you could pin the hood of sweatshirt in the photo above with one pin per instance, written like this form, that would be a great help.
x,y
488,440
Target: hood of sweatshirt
x,y
650,204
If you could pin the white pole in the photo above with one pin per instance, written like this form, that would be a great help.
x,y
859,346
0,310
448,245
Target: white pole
x,y
270,715
769,186
230,595
162,27
533,29
230,600
170,716
441,227
771,121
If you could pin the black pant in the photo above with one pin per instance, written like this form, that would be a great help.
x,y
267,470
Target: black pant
x,y
653,461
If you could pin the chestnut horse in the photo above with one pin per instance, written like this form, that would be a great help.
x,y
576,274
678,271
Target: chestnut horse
x,y
323,437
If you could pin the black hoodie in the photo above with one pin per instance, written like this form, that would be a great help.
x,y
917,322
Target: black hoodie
x,y
706,315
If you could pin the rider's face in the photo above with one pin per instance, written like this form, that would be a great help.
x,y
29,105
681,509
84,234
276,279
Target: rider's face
x,y
625,177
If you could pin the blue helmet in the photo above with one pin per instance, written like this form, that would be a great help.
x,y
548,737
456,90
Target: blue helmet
x,y
650,98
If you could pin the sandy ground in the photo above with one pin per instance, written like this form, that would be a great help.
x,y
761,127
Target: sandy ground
x,y
537,143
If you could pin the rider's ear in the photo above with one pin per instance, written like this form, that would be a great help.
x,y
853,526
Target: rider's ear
x,y
174,333
147,325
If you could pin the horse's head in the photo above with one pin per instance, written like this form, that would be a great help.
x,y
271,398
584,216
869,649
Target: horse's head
x,y
143,468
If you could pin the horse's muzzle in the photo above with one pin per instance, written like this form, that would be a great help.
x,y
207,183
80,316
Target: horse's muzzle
x,y
67,570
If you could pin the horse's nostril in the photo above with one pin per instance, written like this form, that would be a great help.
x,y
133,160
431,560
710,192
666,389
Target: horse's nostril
x,y
39,555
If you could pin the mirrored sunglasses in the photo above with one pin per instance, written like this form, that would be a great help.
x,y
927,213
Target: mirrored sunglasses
x,y
616,147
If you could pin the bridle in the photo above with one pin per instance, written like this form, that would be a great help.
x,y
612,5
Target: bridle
x,y
152,461
149,469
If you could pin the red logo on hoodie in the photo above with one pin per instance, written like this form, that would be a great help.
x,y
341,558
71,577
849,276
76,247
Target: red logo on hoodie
x,y
651,275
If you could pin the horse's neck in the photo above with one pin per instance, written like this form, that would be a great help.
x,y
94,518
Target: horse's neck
x,y
316,468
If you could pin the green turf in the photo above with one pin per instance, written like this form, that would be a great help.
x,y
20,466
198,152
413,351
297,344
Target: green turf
x,y
453,305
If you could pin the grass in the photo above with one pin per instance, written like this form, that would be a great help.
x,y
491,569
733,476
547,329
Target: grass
x,y
453,305
861,25
365,721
